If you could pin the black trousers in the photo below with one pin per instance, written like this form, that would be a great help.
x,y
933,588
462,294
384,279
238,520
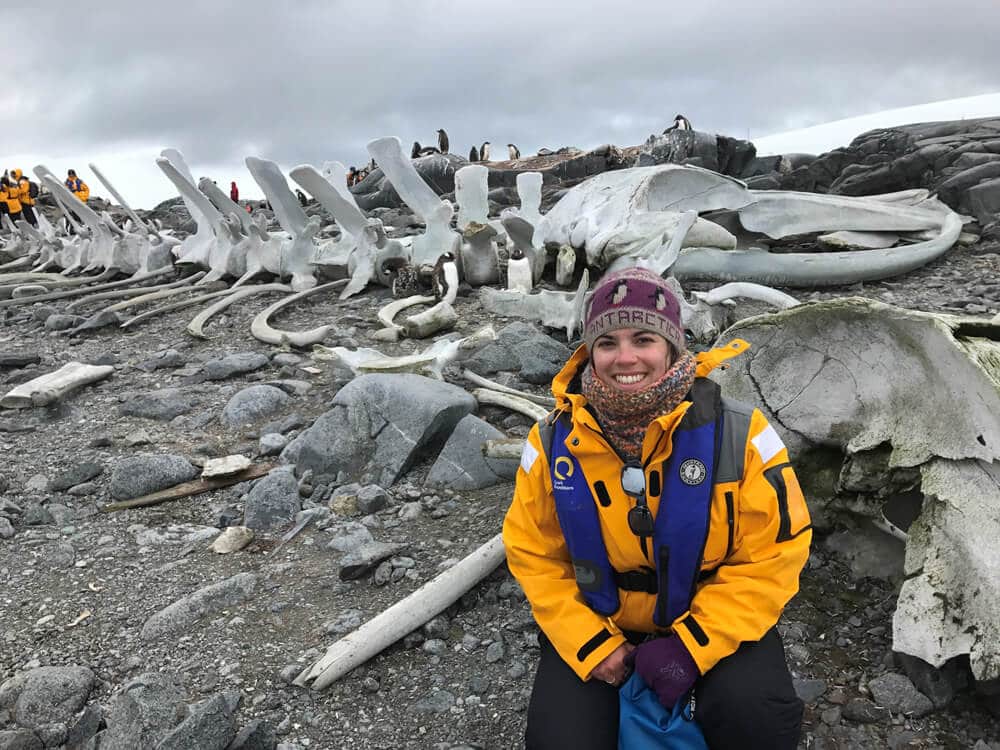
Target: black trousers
x,y
29,215
746,702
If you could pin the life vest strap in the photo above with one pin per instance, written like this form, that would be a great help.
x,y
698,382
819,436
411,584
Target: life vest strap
x,y
637,580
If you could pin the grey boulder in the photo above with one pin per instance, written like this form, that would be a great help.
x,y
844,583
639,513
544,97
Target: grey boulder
x,y
52,694
272,501
378,426
210,726
144,712
162,405
461,464
253,403
233,364
184,612
140,475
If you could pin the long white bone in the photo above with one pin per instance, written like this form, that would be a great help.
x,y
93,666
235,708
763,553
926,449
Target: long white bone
x,y
262,330
196,326
297,251
492,385
514,403
51,387
380,632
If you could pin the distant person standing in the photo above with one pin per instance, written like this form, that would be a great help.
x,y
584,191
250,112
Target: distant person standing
x,y
28,191
77,186
234,192
10,202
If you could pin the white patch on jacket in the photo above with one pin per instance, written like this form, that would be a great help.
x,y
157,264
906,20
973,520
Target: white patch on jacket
x,y
768,444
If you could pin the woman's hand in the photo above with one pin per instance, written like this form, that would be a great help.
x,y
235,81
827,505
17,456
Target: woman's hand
x,y
612,669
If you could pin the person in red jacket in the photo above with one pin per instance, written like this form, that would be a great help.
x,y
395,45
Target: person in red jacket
x,y
659,527
234,192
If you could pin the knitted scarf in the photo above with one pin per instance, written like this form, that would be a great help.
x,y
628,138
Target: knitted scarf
x,y
625,416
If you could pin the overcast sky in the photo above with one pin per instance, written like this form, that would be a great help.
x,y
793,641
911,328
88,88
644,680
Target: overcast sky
x,y
305,82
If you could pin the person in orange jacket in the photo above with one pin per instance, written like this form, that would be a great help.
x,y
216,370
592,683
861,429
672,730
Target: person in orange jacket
x,y
10,200
77,186
234,192
658,527
25,189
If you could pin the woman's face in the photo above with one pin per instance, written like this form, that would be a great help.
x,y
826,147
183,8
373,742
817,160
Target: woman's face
x,y
630,359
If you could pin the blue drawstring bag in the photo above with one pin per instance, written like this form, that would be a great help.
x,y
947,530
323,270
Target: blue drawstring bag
x,y
644,724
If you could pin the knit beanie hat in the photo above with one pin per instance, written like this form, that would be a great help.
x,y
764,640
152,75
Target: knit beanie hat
x,y
634,298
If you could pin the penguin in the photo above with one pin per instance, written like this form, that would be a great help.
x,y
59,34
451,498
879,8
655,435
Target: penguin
x,y
445,278
404,278
513,151
484,151
415,151
680,123
301,196
442,141
473,154
616,295
352,176
519,272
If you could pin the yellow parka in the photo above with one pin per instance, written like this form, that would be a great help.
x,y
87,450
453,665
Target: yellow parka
x,y
758,538
78,187
10,194
23,186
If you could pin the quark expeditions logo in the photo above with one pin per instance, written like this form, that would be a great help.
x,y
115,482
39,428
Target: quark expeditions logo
x,y
561,471
693,472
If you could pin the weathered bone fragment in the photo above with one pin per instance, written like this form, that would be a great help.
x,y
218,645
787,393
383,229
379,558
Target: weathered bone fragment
x,y
382,631
507,401
509,448
471,195
554,309
660,255
439,237
177,305
814,269
848,240
565,265
529,190
819,388
53,386
431,361
262,330
100,291
197,324
57,284
388,312
781,213
126,288
432,320
479,259
751,291
621,212
492,385
156,296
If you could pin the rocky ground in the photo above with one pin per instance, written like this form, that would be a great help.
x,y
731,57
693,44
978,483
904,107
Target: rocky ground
x,y
79,587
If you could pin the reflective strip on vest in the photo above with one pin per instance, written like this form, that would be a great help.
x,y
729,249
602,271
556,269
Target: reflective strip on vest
x,y
679,532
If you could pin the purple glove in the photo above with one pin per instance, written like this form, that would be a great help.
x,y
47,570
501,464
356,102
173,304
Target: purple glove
x,y
666,666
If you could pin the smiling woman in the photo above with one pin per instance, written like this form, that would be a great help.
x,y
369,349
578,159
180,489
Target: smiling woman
x,y
657,527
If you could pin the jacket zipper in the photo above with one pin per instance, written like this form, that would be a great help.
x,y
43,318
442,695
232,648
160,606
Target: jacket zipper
x,y
731,521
